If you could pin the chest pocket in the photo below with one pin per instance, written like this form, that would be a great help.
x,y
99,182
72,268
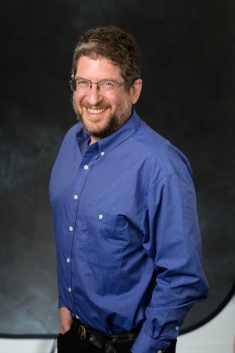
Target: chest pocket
x,y
104,235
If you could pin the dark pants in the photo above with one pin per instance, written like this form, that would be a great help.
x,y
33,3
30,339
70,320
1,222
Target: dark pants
x,y
71,343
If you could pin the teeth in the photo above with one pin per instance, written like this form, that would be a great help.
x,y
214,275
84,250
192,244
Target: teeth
x,y
96,111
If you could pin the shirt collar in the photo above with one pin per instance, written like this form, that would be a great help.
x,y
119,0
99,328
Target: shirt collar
x,y
111,141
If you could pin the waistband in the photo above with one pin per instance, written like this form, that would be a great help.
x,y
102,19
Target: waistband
x,y
101,340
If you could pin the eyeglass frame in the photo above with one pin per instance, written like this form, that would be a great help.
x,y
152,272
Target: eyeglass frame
x,y
117,84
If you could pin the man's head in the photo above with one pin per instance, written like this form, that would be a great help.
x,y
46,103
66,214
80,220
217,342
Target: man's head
x,y
105,73
113,44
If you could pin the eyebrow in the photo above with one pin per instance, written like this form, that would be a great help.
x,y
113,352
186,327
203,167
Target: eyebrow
x,y
103,79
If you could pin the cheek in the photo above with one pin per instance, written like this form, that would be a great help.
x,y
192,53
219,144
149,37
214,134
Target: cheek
x,y
78,98
114,102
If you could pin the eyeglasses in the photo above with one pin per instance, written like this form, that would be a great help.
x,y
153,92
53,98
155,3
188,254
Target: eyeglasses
x,y
82,85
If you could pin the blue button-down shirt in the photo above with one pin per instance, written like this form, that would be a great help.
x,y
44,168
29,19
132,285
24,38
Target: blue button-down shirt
x,y
127,236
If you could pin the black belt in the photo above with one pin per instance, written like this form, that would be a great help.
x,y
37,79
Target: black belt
x,y
100,340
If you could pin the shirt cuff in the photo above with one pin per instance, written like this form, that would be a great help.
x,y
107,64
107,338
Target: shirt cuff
x,y
60,302
146,344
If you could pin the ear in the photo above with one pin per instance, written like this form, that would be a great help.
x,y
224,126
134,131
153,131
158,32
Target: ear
x,y
135,90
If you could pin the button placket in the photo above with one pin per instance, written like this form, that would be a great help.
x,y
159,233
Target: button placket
x,y
85,168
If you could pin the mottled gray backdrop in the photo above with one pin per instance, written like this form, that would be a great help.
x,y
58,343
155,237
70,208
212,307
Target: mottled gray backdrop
x,y
188,96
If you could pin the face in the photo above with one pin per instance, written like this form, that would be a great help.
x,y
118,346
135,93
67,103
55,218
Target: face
x,y
102,113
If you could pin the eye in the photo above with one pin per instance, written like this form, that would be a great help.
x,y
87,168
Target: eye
x,y
107,85
82,83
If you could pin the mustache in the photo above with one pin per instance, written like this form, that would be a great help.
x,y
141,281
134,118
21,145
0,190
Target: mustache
x,y
100,105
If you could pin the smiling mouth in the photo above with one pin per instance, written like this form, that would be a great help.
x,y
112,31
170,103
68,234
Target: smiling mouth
x,y
96,111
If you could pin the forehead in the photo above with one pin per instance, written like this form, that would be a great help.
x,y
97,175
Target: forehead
x,y
99,67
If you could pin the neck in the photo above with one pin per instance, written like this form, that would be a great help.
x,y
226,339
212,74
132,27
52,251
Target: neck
x,y
93,139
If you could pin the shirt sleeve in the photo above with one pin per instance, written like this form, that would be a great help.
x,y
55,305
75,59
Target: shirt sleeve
x,y
173,240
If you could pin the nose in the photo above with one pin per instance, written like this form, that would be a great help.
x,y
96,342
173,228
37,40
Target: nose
x,y
94,96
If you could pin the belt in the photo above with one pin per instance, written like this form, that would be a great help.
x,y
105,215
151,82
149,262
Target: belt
x,y
100,340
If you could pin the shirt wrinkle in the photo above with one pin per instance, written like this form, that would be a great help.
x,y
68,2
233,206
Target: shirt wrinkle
x,y
166,176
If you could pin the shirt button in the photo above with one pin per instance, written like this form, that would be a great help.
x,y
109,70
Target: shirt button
x,y
68,259
71,229
77,317
102,153
101,216
75,197
69,289
177,328
86,167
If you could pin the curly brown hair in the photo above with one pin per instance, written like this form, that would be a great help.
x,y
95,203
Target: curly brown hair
x,y
111,43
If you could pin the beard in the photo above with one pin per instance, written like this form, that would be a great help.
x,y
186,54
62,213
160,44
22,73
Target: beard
x,y
114,121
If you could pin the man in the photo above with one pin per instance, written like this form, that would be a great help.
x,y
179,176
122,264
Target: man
x,y
126,228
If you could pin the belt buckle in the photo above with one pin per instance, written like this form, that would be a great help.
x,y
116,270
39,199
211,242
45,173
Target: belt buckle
x,y
82,331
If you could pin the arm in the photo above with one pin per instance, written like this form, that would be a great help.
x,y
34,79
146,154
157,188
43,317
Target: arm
x,y
65,320
172,240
